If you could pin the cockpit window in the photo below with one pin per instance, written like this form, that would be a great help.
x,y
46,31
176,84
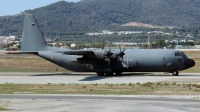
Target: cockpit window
x,y
184,56
178,54
181,54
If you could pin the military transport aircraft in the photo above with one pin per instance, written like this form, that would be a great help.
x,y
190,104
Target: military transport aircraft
x,y
103,62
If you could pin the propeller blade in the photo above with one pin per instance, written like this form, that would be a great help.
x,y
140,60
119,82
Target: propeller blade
x,y
124,50
121,54
120,47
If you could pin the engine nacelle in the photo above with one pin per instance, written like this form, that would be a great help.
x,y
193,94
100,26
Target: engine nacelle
x,y
100,54
106,54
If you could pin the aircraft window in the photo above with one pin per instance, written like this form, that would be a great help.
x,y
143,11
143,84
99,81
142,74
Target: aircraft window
x,y
178,54
184,56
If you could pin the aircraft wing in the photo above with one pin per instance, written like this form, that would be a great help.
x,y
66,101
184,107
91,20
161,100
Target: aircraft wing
x,y
77,52
95,54
84,53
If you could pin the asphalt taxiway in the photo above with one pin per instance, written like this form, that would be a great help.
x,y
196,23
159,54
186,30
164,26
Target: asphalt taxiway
x,y
102,103
91,78
98,103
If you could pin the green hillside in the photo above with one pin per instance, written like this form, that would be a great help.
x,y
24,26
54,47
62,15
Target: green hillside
x,y
63,18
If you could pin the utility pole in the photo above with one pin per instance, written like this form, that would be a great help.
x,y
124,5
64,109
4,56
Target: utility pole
x,y
148,37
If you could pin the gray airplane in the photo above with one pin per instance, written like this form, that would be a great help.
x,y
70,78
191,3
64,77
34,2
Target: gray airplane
x,y
103,62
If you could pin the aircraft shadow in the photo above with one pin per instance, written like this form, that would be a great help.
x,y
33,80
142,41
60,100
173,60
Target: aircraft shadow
x,y
63,74
90,77
80,74
94,77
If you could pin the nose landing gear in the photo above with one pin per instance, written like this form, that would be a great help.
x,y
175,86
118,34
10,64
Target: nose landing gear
x,y
175,73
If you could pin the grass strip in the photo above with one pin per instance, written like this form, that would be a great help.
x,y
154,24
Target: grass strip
x,y
148,88
2,108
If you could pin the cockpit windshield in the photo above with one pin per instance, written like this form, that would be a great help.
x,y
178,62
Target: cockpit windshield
x,y
181,54
184,56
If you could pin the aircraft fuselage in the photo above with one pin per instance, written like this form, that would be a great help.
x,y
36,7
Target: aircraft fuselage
x,y
134,60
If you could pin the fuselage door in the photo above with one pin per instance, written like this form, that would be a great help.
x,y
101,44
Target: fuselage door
x,y
130,62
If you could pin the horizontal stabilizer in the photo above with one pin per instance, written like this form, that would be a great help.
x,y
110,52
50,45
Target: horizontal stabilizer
x,y
28,52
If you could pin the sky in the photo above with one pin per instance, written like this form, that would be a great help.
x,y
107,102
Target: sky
x,y
11,7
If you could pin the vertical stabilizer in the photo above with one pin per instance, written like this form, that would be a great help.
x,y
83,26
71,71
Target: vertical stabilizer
x,y
32,37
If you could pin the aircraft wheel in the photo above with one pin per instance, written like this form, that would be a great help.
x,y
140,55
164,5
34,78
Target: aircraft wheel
x,y
175,73
118,73
100,74
109,74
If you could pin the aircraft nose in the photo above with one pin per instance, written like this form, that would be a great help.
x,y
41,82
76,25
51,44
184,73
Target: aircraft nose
x,y
189,63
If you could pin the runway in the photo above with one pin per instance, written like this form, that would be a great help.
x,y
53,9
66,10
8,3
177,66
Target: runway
x,y
102,103
91,78
98,103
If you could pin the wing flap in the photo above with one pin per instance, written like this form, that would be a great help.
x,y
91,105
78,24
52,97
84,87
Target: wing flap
x,y
84,53
79,52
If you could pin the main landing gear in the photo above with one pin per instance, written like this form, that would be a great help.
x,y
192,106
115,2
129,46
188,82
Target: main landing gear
x,y
100,74
175,73
109,73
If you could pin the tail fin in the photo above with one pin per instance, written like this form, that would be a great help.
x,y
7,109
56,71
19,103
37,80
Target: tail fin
x,y
32,37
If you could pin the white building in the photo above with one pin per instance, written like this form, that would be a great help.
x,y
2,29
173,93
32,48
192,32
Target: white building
x,y
12,37
72,45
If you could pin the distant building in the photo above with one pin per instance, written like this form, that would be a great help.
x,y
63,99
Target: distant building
x,y
72,45
12,37
129,32
190,40
178,46
156,32
108,32
190,35
124,43
94,34
181,36
167,34
183,41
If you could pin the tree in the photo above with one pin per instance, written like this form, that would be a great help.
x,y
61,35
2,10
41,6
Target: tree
x,y
160,43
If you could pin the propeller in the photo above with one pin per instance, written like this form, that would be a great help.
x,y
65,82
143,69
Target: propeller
x,y
110,55
121,53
